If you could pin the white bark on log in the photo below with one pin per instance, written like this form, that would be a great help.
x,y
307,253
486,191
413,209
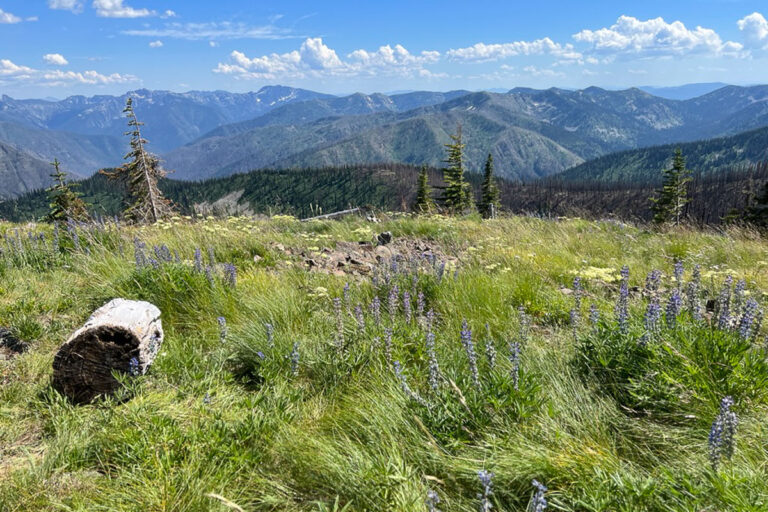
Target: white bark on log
x,y
123,336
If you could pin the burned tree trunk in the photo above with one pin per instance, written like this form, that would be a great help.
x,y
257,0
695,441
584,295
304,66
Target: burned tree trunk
x,y
122,336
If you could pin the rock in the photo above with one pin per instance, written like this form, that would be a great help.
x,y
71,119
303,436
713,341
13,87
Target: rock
x,y
11,343
382,253
257,258
384,238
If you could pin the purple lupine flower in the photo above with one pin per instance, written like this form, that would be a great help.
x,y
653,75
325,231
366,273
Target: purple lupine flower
x,y
359,317
514,359
469,347
738,296
407,306
594,315
490,350
209,275
222,328
405,387
138,252
577,293
420,304
230,275
394,294
539,501
693,292
486,480
434,367
525,324
622,306
295,359
133,367
674,305
724,304
440,272
433,499
388,345
198,261
748,319
652,282
346,296
679,271
652,317
376,309
722,433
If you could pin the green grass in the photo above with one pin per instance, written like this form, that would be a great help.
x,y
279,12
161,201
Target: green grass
x,y
605,423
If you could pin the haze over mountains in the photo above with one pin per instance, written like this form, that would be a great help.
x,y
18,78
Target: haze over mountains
x,y
531,133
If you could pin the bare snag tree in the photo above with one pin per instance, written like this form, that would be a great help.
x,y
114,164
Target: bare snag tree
x,y
146,203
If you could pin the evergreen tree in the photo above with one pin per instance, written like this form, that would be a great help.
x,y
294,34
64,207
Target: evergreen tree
x,y
757,214
673,195
65,202
424,202
140,176
457,194
489,192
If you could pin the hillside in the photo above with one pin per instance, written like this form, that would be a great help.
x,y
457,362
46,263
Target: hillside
x,y
323,373
645,165
20,172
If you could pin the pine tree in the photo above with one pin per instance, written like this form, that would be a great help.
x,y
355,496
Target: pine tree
x,y
757,214
457,194
489,192
673,195
65,202
424,202
140,175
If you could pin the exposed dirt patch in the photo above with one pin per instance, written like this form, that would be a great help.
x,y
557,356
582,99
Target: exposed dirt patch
x,y
10,345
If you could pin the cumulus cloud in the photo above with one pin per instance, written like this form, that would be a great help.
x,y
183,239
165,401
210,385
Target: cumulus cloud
x,y
6,17
116,9
59,77
75,6
9,69
754,28
156,44
55,59
656,37
482,52
315,59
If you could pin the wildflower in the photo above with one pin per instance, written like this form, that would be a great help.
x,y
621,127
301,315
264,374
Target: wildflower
x,y
420,304
434,368
211,257
652,282
440,272
209,274
693,293
388,345
594,315
748,319
133,367
230,275
394,293
469,347
738,295
490,350
674,305
622,306
222,328
198,261
525,324
430,320
432,501
295,359
651,319
577,293
359,317
724,304
339,322
486,480
138,252
376,309
405,387
722,433
539,503
207,399
679,270
407,306
514,359
346,295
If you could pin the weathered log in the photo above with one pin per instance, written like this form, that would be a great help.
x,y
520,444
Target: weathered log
x,y
122,336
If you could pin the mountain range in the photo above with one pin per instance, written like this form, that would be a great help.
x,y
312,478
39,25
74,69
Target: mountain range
x,y
531,133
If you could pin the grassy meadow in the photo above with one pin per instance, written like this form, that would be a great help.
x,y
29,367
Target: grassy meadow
x,y
328,390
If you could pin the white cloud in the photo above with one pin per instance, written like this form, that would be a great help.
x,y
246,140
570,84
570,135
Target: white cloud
x,y
9,69
156,44
213,44
75,6
168,14
55,59
315,59
213,31
754,28
481,52
86,77
116,9
6,17
534,71
656,37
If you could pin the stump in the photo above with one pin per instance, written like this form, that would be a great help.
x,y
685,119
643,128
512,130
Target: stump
x,y
123,336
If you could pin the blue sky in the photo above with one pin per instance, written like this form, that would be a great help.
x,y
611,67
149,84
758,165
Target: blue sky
x,y
56,48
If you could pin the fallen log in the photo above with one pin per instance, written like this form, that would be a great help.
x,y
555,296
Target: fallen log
x,y
122,336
